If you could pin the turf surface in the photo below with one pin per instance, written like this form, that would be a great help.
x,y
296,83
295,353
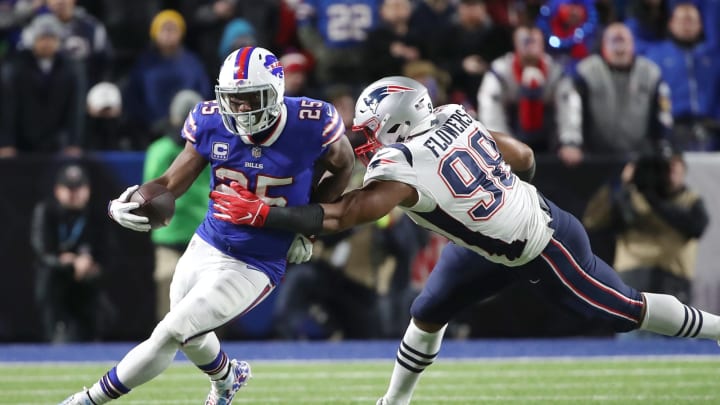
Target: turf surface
x,y
667,380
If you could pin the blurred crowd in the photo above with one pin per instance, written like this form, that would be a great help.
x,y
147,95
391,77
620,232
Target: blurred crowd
x,y
569,77
572,78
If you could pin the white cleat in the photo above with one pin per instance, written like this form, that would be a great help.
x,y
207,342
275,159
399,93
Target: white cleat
x,y
78,398
223,392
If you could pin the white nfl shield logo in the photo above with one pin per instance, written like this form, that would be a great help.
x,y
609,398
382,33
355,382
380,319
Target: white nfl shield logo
x,y
256,151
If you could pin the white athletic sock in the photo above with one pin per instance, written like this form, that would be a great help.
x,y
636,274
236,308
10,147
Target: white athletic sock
x,y
666,315
418,350
204,351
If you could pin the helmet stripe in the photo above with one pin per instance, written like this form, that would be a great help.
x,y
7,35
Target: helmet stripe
x,y
242,62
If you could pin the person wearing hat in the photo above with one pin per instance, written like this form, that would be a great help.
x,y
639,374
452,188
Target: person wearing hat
x,y
162,70
85,39
297,68
66,237
106,128
42,93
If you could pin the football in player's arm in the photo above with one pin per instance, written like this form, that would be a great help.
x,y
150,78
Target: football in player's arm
x,y
255,137
451,176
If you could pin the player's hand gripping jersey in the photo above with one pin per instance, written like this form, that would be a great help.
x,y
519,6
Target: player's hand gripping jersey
x,y
466,190
276,164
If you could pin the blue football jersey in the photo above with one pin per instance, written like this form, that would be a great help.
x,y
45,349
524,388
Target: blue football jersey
x,y
277,165
342,23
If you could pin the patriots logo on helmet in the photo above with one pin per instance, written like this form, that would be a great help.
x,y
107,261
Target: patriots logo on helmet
x,y
374,98
273,65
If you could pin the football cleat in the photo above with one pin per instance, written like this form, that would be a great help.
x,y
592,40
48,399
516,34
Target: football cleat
x,y
223,392
78,398
381,401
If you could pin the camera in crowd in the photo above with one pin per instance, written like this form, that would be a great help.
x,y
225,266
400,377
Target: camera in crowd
x,y
652,170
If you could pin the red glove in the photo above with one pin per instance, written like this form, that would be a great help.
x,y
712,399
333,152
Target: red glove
x,y
240,208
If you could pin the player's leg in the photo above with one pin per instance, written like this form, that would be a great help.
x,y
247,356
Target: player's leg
x,y
209,290
573,276
228,289
460,278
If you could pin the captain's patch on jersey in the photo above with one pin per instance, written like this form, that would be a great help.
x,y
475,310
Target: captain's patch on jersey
x,y
220,150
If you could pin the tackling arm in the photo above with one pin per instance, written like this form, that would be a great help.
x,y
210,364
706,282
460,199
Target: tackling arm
x,y
518,155
356,207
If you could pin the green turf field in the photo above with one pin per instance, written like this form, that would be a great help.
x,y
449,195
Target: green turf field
x,y
583,381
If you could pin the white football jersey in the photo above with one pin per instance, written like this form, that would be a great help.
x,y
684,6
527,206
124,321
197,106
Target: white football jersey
x,y
466,190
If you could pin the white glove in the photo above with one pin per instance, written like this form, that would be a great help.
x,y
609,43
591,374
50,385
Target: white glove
x,y
119,210
300,250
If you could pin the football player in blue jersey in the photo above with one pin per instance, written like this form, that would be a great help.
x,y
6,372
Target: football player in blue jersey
x,y
452,176
254,137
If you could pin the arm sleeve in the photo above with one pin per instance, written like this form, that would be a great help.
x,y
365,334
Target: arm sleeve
x,y
305,219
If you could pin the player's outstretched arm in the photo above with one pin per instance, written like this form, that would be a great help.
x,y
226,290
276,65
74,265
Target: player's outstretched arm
x,y
518,155
356,207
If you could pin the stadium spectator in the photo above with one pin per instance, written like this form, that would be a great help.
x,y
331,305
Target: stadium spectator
x,y
391,44
297,71
519,95
436,80
691,67
335,34
618,105
428,161
171,241
658,221
84,39
67,235
41,80
126,25
468,47
647,21
162,70
429,20
207,21
106,129
238,33
571,28
14,14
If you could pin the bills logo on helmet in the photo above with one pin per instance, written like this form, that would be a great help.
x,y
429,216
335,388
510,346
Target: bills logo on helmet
x,y
374,98
273,65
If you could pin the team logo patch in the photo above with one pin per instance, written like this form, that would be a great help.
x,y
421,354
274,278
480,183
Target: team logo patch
x,y
376,96
273,65
220,150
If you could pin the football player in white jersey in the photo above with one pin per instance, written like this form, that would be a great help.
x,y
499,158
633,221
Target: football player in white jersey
x,y
453,176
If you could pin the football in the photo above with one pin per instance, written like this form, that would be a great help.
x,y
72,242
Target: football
x,y
156,202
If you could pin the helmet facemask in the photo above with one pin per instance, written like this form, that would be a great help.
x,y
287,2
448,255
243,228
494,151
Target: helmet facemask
x,y
263,103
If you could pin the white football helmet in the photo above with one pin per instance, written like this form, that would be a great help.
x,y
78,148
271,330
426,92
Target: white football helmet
x,y
391,110
253,75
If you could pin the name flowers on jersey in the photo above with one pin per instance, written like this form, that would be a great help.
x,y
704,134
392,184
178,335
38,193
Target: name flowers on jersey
x,y
458,122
